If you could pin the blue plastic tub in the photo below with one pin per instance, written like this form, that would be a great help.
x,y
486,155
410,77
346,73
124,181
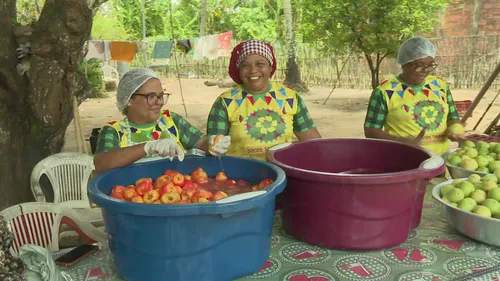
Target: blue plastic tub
x,y
192,242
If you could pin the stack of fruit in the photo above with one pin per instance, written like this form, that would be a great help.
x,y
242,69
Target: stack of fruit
x,y
480,156
175,188
474,194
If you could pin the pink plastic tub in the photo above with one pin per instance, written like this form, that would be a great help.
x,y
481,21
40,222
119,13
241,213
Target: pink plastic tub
x,y
353,194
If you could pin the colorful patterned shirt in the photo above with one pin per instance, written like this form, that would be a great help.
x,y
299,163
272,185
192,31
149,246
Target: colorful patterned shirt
x,y
218,121
108,137
403,111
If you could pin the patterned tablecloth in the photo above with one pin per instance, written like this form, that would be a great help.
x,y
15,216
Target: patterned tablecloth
x,y
433,252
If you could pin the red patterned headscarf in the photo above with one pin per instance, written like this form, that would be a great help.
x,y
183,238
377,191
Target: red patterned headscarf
x,y
250,47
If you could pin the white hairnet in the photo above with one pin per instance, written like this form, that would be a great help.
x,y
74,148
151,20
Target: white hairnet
x,y
130,82
415,48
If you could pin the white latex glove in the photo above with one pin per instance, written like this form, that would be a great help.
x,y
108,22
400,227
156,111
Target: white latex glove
x,y
164,148
220,147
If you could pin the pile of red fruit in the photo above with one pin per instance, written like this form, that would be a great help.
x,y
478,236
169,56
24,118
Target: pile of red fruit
x,y
175,188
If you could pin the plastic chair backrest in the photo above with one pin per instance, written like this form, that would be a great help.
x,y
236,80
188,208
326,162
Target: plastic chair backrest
x,y
68,174
34,223
110,72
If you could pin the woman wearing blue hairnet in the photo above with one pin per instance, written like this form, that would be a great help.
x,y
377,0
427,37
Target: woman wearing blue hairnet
x,y
413,107
146,130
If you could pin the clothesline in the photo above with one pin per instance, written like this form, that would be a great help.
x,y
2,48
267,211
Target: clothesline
x,y
210,46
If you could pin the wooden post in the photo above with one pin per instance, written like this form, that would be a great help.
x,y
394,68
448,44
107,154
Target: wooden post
x,y
481,93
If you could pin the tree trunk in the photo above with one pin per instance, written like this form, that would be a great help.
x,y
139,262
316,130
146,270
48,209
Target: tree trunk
x,y
35,111
292,74
203,24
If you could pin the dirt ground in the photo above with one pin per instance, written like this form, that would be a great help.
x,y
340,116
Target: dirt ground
x,y
342,116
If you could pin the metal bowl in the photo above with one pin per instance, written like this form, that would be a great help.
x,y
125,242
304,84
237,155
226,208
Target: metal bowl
x,y
458,172
477,227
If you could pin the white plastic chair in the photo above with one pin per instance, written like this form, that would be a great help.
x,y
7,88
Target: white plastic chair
x,y
40,224
68,173
110,73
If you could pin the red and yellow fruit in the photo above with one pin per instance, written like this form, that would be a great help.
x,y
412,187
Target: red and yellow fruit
x,y
173,187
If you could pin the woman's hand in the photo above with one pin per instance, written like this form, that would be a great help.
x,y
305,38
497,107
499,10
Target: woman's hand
x,y
457,138
164,148
218,145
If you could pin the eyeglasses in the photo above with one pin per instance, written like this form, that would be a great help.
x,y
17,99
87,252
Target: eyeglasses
x,y
426,68
152,98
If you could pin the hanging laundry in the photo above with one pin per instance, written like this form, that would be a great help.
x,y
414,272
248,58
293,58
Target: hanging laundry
x,y
95,50
225,44
107,51
184,45
123,51
198,48
162,49
211,51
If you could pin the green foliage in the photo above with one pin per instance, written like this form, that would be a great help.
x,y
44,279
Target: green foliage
x,y
108,27
94,76
376,28
129,13
28,11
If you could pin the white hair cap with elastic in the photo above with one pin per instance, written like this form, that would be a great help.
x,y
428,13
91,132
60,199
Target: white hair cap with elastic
x,y
415,48
130,83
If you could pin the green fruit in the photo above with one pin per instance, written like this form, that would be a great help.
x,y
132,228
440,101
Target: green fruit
x,y
456,129
490,177
482,211
467,204
469,164
483,170
493,205
494,165
445,200
489,185
479,196
467,188
492,155
471,152
455,195
455,160
497,172
446,189
494,193
482,145
483,151
456,182
490,159
496,149
474,178
482,161
478,185
454,205
468,144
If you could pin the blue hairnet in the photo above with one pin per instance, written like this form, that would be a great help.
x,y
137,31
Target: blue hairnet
x,y
415,48
130,82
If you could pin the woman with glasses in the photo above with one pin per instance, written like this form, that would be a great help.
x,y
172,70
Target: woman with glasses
x,y
413,107
146,130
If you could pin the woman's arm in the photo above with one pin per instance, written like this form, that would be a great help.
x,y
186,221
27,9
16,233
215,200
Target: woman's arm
x,y
218,119
303,125
190,137
109,155
453,116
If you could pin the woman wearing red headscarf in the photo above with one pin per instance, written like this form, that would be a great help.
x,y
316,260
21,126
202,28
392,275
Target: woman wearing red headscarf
x,y
258,113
